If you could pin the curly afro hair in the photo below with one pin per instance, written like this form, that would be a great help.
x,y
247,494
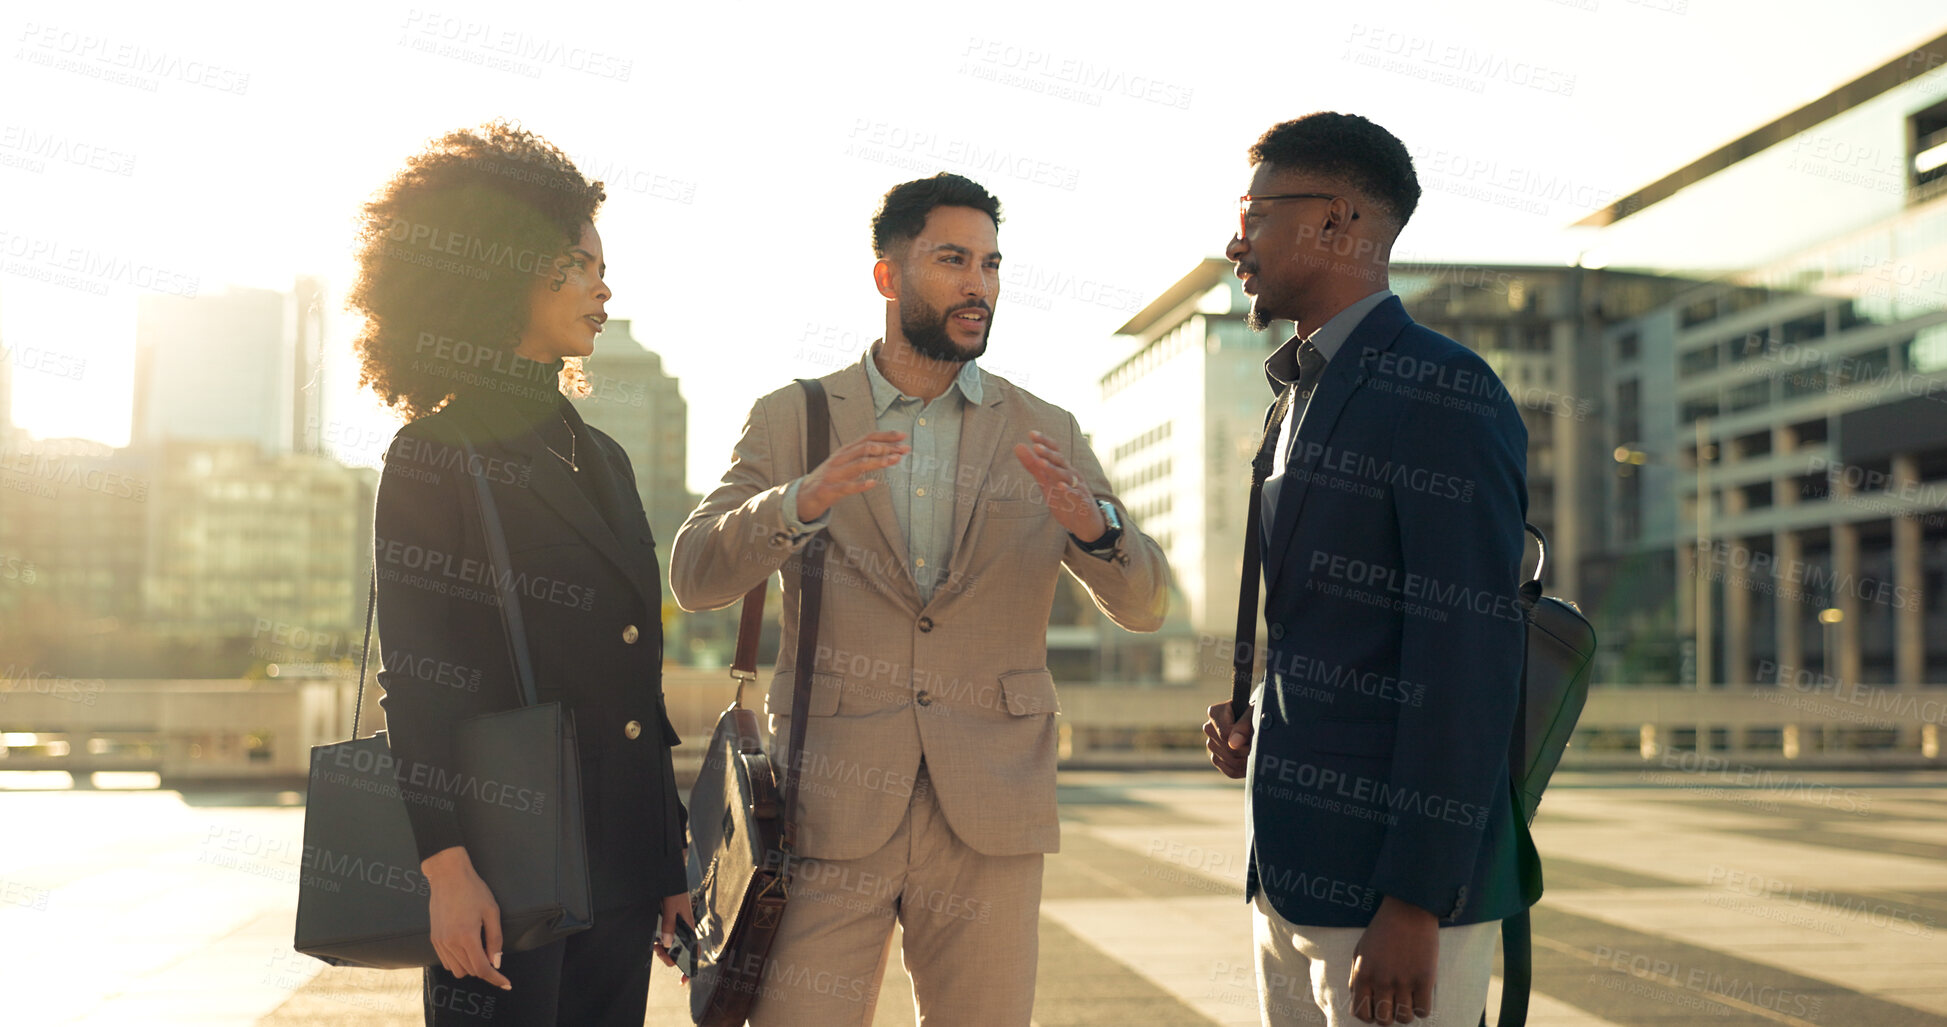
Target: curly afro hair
x,y
1350,149
448,251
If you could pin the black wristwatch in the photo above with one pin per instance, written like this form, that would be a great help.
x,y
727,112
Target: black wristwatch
x,y
1106,544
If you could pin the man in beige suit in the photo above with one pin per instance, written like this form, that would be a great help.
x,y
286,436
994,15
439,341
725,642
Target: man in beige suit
x,y
949,505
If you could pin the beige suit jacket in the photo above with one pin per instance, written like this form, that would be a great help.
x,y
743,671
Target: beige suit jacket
x,y
962,679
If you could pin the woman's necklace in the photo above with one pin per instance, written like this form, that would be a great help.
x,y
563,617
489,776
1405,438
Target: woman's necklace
x,y
570,458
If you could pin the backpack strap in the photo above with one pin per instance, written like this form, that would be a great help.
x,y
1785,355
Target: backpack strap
x,y
1517,931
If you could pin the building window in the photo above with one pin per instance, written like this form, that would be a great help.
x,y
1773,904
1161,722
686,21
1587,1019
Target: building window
x,y
1696,408
1801,330
1698,312
1697,361
1750,395
1928,153
1628,345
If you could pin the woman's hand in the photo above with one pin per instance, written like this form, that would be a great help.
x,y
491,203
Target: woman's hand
x,y
463,910
675,907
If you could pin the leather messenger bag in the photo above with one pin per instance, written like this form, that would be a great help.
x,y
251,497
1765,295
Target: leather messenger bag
x,y
743,817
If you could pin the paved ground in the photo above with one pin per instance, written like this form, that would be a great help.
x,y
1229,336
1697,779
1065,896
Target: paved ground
x,y
1672,899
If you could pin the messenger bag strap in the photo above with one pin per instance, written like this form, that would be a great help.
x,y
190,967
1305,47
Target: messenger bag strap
x,y
1244,642
811,590
743,667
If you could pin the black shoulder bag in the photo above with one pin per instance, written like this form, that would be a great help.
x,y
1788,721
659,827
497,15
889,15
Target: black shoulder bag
x,y
743,819
362,900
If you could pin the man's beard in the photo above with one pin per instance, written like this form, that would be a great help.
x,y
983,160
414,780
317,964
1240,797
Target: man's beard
x,y
1255,319
924,326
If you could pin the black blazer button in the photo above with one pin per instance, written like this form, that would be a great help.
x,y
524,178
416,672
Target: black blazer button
x,y
1277,632
925,624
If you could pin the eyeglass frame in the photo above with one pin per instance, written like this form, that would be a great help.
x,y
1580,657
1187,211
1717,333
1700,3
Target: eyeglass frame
x,y
1244,202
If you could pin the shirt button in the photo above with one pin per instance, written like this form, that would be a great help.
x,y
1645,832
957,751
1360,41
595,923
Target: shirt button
x,y
920,562
926,623
922,422
629,635
923,699
919,492
632,730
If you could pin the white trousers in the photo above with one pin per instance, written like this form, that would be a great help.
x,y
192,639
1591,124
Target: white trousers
x,y
1288,996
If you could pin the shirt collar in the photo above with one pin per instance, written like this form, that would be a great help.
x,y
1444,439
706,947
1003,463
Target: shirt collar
x,y
885,393
1281,367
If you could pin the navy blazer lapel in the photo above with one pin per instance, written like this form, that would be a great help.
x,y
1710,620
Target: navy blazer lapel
x,y
548,479
1348,370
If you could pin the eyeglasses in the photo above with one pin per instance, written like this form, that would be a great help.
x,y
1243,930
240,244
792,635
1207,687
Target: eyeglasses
x,y
1244,205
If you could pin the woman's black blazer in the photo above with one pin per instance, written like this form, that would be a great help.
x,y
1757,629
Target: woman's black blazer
x,y
590,593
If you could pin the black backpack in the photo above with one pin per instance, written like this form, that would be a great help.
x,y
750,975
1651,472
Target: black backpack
x,y
1554,687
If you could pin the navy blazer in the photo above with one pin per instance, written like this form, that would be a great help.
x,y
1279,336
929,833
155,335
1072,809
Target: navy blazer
x,y
591,597
1380,755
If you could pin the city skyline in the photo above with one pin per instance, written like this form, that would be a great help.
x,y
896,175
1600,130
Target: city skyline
x,y
1067,103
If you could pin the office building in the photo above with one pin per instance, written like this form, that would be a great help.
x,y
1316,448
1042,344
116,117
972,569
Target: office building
x,y
241,537
1183,413
74,534
1777,495
641,406
238,365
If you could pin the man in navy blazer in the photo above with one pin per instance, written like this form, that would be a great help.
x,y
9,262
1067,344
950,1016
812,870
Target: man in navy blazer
x,y
1384,848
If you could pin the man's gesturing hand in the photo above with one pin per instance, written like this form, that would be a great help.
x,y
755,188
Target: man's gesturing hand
x,y
1069,500
1229,744
1393,965
844,472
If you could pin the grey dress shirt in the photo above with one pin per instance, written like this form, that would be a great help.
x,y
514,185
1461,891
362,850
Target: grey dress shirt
x,y
921,486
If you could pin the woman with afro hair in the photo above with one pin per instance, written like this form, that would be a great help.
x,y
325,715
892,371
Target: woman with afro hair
x,y
481,285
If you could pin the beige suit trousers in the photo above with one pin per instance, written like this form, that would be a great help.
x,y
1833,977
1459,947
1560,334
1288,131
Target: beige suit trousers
x,y
1289,995
970,923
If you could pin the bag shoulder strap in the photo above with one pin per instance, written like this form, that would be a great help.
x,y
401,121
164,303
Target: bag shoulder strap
x,y
510,607
1517,942
364,651
1244,648
501,570
811,591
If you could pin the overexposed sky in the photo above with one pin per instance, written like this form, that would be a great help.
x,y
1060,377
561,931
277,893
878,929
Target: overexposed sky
x,y
745,146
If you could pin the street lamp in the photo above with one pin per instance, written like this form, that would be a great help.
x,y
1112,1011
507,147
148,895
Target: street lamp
x,y
1628,458
1831,617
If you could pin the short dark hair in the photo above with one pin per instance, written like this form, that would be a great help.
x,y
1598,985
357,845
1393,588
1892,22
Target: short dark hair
x,y
1349,148
902,214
